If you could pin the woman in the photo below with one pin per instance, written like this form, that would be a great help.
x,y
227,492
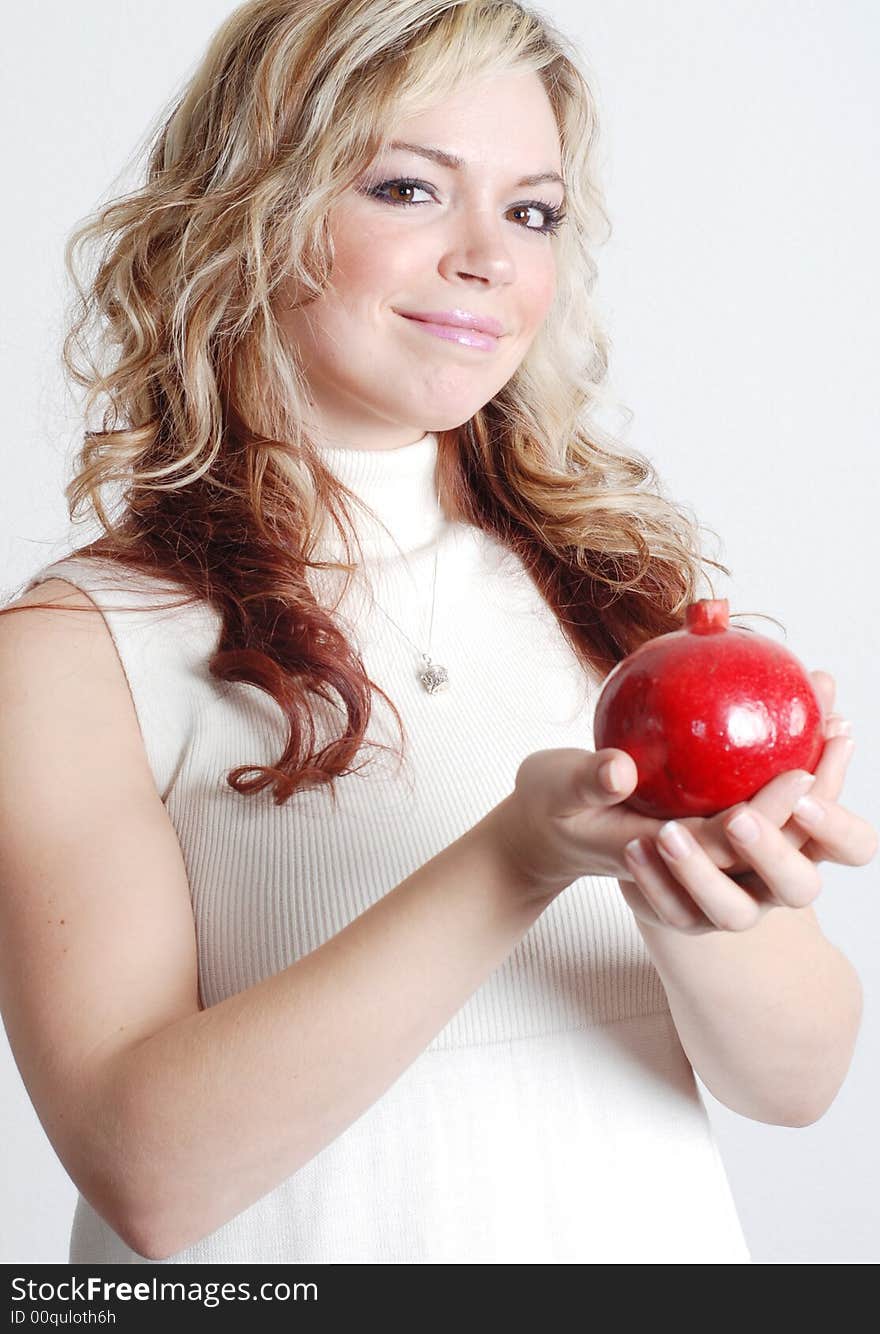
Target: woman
x,y
301,1009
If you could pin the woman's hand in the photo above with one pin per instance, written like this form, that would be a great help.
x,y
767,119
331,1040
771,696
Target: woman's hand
x,y
691,893
564,820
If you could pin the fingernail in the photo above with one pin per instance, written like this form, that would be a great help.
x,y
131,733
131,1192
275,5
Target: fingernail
x,y
674,839
808,810
611,774
636,851
744,827
839,727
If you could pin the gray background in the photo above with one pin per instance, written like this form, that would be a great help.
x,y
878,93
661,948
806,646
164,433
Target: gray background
x,y
740,289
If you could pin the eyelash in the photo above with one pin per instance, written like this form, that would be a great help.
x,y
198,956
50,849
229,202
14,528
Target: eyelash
x,y
555,216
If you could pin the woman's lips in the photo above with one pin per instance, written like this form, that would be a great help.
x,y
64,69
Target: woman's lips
x,y
454,334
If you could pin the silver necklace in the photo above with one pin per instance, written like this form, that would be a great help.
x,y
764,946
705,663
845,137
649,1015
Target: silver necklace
x,y
432,676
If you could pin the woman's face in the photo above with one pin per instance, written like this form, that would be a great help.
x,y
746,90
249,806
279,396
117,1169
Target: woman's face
x,y
469,241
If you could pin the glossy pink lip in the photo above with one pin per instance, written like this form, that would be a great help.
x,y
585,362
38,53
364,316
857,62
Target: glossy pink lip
x,y
459,319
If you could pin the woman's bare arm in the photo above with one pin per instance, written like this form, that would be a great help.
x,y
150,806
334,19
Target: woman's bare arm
x,y
171,1119
226,1103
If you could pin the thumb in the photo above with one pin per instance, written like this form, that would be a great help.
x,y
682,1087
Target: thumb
x,y
566,781
607,777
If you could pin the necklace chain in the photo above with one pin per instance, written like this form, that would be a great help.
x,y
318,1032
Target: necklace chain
x,y
432,676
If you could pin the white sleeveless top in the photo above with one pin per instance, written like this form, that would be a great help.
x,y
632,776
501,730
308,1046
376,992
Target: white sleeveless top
x,y
555,1119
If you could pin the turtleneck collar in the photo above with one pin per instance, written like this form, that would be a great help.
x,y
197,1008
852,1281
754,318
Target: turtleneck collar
x,y
399,486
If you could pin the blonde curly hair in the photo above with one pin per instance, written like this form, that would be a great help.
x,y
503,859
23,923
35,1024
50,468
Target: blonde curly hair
x,y
222,488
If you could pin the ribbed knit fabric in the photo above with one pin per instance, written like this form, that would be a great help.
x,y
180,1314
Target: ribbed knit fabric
x,y
555,1118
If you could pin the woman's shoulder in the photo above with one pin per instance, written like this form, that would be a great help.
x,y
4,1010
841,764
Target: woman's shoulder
x,y
103,574
120,591
163,635
114,587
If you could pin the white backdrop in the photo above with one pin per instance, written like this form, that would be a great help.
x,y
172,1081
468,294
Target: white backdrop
x,y
740,288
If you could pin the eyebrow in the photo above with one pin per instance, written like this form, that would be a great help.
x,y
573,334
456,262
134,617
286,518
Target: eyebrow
x,y
450,160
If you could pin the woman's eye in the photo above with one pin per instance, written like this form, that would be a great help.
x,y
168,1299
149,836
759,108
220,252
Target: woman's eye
x,y
553,216
397,185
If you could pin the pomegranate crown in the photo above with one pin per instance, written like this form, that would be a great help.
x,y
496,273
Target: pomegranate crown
x,y
708,616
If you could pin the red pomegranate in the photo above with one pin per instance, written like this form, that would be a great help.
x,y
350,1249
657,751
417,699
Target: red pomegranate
x,y
709,714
